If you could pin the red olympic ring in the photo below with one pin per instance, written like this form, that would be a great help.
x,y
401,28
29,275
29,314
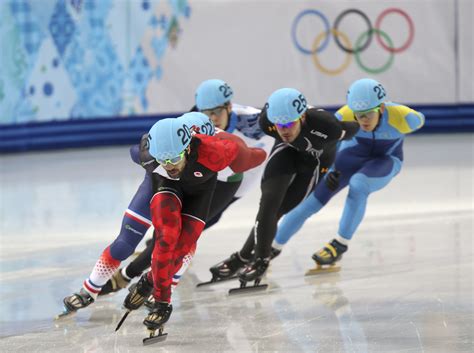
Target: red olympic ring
x,y
411,32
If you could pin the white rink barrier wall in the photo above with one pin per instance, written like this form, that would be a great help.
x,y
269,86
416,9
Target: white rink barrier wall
x,y
68,61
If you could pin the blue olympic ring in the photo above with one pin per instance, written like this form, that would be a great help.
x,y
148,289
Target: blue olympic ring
x,y
295,25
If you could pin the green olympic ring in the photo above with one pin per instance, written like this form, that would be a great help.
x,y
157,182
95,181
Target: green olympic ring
x,y
357,52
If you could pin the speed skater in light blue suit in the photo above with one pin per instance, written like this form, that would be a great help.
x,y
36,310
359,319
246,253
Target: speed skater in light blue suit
x,y
367,163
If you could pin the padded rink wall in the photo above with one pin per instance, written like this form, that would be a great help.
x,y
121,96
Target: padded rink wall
x,y
76,73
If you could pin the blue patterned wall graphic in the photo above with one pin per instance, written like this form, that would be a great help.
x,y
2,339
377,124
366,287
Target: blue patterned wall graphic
x,y
79,59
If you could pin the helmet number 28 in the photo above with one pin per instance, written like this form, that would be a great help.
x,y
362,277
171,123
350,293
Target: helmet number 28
x,y
299,103
379,91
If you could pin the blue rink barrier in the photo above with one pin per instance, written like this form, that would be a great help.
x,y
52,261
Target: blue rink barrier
x,y
128,130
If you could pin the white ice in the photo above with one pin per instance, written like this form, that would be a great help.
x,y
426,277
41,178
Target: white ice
x,y
406,283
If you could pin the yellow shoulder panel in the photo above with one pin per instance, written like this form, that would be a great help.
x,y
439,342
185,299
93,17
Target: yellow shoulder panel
x,y
396,117
346,113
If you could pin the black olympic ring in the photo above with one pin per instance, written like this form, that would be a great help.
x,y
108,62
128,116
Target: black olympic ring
x,y
336,27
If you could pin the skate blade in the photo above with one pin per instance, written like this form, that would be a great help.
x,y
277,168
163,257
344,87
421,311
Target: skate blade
x,y
249,289
155,339
64,315
320,269
214,281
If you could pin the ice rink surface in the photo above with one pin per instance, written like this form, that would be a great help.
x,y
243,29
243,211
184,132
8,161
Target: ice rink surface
x,y
406,283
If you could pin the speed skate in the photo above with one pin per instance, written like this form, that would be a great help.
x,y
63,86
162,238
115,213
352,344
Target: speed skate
x,y
320,269
154,337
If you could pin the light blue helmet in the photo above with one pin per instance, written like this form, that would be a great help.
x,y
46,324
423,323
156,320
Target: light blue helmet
x,y
365,94
286,105
201,121
213,93
168,138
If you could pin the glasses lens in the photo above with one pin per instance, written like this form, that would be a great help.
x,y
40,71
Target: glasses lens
x,y
172,161
287,125
215,111
368,114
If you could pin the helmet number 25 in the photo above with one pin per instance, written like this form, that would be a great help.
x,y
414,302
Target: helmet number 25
x,y
299,103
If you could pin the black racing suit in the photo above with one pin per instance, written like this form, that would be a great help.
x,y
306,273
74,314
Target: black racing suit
x,y
292,171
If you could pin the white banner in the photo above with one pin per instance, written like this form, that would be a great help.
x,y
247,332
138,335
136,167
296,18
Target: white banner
x,y
465,49
59,62
260,46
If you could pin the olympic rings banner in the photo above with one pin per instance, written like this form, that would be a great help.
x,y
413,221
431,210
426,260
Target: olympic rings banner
x,y
59,61
363,41
320,47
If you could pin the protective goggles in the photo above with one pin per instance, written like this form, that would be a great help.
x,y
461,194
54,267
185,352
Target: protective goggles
x,y
214,111
287,125
172,161
369,114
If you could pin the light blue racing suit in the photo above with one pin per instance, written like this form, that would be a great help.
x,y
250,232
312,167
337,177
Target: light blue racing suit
x,y
367,163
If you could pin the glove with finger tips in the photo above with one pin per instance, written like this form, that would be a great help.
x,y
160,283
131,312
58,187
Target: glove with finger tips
x,y
332,180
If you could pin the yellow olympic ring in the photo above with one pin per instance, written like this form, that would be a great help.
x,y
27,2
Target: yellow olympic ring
x,y
314,54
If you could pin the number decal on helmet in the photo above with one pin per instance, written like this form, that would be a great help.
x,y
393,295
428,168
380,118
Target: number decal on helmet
x,y
299,104
379,90
184,133
207,129
226,90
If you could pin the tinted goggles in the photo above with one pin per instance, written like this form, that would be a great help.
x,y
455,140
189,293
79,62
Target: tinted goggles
x,y
214,111
369,114
172,161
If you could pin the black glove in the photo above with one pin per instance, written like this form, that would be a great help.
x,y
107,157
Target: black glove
x,y
332,180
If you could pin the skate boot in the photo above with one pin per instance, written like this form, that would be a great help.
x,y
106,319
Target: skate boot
x,y
138,293
158,316
150,302
75,302
116,283
274,253
226,269
327,257
252,272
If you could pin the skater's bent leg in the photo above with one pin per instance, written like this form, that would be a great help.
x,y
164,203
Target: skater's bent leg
x,y
135,223
191,230
294,220
102,271
166,215
181,268
374,176
247,250
273,192
141,263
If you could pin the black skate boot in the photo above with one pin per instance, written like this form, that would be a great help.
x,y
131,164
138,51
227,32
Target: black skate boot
x,y
158,316
252,272
274,253
327,257
226,270
116,283
139,292
75,302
